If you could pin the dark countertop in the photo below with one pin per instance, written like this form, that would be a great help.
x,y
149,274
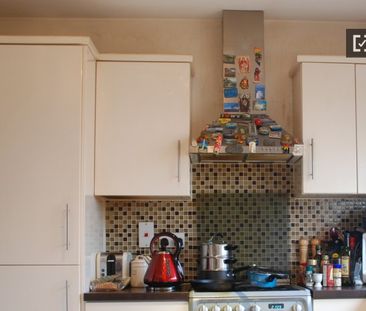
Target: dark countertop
x,y
339,292
182,294
140,294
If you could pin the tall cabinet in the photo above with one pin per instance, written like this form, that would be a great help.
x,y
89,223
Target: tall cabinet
x,y
330,106
43,192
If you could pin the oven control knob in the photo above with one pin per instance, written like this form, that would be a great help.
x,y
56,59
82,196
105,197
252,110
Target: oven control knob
x,y
297,307
215,308
255,308
227,308
239,308
203,308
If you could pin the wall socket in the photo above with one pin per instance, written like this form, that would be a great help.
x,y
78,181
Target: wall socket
x,y
146,233
179,235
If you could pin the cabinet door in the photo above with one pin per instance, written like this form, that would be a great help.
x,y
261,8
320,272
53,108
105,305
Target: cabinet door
x,y
361,126
36,288
329,131
142,129
137,306
40,115
339,304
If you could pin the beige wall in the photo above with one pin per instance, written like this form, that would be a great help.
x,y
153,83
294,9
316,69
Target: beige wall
x,y
284,40
203,39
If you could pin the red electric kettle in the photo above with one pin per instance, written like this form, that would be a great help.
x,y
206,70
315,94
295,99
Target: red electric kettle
x,y
164,269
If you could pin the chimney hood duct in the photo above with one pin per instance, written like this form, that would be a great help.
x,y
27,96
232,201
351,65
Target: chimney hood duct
x,y
244,132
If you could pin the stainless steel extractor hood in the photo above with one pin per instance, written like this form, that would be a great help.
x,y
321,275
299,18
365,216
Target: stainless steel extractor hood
x,y
245,138
244,132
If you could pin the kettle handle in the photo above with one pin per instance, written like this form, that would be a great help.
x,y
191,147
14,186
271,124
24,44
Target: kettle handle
x,y
169,235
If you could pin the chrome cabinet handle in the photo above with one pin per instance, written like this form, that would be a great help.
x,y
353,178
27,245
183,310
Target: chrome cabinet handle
x,y
67,295
67,227
179,160
312,158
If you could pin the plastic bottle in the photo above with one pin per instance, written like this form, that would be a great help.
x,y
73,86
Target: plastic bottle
x,y
337,275
309,276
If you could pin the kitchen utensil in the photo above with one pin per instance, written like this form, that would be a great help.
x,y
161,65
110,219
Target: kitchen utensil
x,y
216,255
254,276
216,247
216,263
138,269
212,285
164,269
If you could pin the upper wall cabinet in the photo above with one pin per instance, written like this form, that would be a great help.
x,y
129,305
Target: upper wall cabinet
x,y
361,126
329,106
142,128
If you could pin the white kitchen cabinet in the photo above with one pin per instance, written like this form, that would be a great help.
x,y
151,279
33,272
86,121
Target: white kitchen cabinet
x,y
339,304
361,126
142,128
40,112
47,118
329,98
39,288
137,306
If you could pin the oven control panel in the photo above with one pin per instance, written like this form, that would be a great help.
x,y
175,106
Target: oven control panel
x,y
251,306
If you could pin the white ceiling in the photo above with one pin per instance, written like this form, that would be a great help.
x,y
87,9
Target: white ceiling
x,y
350,10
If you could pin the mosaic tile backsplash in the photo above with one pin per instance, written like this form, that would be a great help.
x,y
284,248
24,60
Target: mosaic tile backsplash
x,y
253,205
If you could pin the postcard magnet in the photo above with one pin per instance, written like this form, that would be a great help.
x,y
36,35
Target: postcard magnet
x,y
229,59
244,83
257,77
244,100
230,92
229,72
260,91
258,55
243,64
229,82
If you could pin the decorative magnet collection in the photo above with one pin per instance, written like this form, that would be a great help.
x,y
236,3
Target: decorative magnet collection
x,y
241,79
233,132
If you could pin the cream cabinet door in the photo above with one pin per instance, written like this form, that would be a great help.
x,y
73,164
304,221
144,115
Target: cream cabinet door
x,y
339,304
40,134
142,129
361,126
35,288
137,306
329,130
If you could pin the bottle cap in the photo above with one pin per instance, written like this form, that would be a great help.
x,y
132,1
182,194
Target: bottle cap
x,y
312,262
337,261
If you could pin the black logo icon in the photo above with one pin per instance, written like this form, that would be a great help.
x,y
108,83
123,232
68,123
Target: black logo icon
x,y
356,42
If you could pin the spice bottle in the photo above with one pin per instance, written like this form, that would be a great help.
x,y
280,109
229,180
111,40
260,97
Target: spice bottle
x,y
337,275
309,276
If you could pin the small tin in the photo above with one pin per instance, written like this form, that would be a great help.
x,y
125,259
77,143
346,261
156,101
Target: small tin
x,y
328,279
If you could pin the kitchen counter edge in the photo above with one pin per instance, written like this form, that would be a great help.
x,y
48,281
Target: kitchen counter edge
x,y
358,292
138,294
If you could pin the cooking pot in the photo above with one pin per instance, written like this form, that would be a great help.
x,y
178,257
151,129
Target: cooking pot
x,y
217,263
216,247
216,255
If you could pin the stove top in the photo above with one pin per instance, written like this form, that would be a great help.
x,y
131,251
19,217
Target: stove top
x,y
251,288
